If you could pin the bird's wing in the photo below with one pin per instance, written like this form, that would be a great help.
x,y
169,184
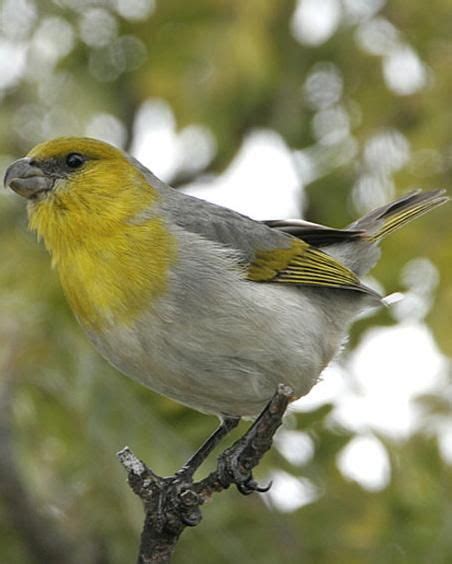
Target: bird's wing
x,y
302,263
270,253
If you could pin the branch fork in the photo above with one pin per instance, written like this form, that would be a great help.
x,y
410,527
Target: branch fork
x,y
173,503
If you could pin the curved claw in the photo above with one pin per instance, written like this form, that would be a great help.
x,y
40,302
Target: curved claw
x,y
250,486
263,489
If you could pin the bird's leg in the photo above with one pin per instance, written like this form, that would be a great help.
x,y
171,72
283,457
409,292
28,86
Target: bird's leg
x,y
195,461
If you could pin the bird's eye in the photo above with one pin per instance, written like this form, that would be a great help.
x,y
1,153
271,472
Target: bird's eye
x,y
74,160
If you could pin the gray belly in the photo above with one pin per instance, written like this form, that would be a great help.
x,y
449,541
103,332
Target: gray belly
x,y
226,352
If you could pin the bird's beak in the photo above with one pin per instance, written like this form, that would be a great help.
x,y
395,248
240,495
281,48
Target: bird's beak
x,y
27,179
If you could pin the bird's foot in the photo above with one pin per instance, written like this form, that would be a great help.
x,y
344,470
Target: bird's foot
x,y
176,502
236,463
233,468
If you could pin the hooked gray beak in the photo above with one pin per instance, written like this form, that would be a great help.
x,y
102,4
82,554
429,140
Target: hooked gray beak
x,y
27,179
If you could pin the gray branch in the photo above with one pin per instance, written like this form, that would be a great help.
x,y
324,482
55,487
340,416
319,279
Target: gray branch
x,y
172,504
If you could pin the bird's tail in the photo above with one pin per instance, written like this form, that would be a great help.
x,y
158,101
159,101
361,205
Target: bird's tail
x,y
380,222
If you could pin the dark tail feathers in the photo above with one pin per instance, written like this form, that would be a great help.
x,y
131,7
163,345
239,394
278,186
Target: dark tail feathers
x,y
383,221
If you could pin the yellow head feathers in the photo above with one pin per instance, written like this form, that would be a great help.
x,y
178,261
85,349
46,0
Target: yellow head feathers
x,y
110,262
95,189
93,149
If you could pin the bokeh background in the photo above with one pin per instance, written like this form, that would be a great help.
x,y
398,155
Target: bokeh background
x,y
312,108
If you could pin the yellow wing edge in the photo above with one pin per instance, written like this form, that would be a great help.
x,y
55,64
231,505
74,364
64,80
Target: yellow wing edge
x,y
302,264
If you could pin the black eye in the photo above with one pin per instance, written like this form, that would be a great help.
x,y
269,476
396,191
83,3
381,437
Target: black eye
x,y
74,160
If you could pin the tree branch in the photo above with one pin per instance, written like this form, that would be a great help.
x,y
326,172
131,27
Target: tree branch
x,y
173,503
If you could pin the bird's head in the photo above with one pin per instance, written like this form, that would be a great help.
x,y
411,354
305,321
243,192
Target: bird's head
x,y
89,202
80,183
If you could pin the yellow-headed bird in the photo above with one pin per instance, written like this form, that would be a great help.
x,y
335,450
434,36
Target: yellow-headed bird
x,y
193,300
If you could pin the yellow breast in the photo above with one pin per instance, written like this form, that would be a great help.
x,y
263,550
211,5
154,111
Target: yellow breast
x,y
113,281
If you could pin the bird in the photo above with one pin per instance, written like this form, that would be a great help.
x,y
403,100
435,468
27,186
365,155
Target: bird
x,y
193,300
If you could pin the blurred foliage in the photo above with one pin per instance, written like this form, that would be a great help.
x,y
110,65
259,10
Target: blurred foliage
x,y
366,121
